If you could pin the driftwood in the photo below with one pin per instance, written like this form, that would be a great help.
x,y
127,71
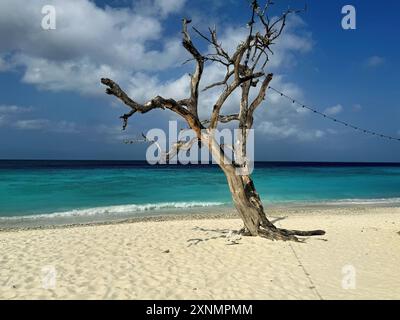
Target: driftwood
x,y
245,71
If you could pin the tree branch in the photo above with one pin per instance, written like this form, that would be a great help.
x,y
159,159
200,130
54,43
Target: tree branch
x,y
155,103
196,77
220,83
223,119
261,94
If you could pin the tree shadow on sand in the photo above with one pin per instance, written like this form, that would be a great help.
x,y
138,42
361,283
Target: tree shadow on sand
x,y
232,237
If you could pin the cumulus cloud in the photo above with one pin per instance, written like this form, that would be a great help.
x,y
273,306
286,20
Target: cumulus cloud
x,y
161,7
374,61
112,42
284,130
294,40
277,118
334,110
13,116
120,43
9,112
144,87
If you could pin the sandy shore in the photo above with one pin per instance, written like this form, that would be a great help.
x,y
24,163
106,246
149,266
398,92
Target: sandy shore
x,y
358,258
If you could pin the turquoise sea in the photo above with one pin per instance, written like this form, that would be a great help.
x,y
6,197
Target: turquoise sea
x,y
96,190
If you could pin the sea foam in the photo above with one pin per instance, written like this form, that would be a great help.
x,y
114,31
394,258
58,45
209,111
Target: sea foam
x,y
119,210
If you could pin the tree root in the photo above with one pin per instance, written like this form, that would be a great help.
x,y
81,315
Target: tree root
x,y
303,233
274,233
277,234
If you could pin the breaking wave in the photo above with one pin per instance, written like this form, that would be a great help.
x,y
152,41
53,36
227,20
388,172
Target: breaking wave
x,y
119,210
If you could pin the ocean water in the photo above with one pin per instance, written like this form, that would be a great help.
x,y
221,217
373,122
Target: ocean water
x,y
92,190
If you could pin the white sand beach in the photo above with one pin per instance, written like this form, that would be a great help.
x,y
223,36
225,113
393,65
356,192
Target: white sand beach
x,y
358,258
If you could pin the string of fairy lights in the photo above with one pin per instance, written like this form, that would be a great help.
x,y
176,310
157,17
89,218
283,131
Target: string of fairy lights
x,y
326,116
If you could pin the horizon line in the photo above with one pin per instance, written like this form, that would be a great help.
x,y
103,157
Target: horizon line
x,y
257,161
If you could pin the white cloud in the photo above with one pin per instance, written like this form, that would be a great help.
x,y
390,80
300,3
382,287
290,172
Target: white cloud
x,y
374,61
144,87
34,124
161,7
13,116
79,75
287,130
3,64
47,125
112,42
334,110
64,127
112,134
293,41
118,43
9,112
7,109
169,6
276,118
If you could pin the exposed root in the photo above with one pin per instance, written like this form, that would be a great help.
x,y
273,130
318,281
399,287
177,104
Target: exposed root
x,y
274,233
268,230
303,233
277,234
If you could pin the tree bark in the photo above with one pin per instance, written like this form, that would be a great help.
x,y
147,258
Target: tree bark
x,y
247,201
250,208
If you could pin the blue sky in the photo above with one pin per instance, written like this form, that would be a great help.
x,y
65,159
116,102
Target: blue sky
x,y
52,105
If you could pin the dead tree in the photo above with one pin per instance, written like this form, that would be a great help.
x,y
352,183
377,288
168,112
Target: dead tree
x,y
244,72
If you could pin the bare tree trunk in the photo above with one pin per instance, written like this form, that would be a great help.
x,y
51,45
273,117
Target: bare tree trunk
x,y
249,206
246,199
248,211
